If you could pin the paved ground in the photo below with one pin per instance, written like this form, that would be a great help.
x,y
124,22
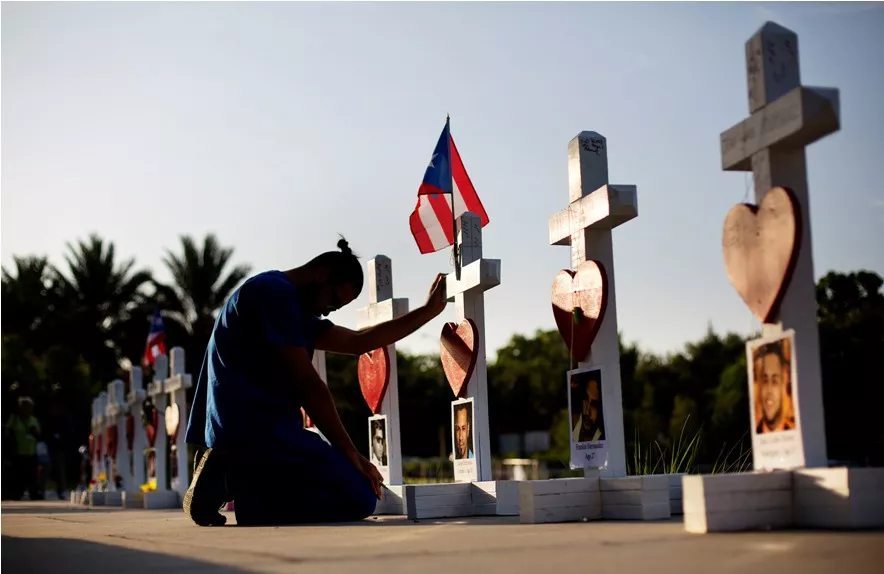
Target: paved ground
x,y
57,538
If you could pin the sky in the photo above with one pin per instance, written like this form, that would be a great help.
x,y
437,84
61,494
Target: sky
x,y
277,126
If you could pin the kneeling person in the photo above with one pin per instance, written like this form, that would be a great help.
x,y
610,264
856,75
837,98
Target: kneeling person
x,y
257,373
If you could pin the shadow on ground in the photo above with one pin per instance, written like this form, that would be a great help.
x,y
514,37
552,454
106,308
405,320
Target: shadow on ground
x,y
62,555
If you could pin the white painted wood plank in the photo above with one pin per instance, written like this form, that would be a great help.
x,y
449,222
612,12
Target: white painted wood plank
x,y
746,481
839,479
558,486
634,497
735,501
656,511
647,482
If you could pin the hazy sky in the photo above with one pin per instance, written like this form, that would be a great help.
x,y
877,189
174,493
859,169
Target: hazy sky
x,y
278,125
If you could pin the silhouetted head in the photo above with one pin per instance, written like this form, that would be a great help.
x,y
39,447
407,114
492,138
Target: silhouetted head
x,y
334,279
25,406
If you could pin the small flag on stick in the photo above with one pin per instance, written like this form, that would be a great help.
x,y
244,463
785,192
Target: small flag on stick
x,y
445,184
156,339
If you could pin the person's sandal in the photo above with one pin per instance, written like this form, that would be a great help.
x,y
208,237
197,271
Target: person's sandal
x,y
208,491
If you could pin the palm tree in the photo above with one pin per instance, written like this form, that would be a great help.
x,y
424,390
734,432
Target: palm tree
x,y
201,283
27,298
99,297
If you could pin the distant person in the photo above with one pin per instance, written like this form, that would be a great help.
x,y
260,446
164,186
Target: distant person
x,y
378,454
58,430
463,432
773,384
24,432
255,377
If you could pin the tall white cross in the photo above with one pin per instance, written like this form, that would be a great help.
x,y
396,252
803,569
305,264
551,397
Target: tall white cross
x,y
597,207
318,364
383,307
97,437
158,398
102,429
175,388
115,411
785,118
134,402
477,275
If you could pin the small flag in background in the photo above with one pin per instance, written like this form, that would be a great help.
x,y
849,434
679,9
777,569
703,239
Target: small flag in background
x,y
445,180
156,339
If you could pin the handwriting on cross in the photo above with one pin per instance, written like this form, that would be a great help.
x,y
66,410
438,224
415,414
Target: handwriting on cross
x,y
771,65
592,144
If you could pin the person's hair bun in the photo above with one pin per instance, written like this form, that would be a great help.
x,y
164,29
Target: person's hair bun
x,y
344,246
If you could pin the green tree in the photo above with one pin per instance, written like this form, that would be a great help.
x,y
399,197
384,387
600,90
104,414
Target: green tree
x,y
201,282
850,312
97,296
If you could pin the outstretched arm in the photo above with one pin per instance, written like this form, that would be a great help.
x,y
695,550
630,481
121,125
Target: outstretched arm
x,y
339,339
317,399
318,403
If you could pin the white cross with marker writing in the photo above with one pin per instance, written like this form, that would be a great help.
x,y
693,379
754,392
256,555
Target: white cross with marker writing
x,y
477,275
785,118
586,225
383,307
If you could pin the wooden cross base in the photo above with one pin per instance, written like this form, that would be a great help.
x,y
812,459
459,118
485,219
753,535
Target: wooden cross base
x,y
459,499
594,498
844,498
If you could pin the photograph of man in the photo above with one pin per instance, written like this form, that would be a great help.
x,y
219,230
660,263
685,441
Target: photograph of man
x,y
772,369
587,419
462,420
378,441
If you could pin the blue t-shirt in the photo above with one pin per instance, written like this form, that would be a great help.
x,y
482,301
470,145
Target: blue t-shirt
x,y
244,399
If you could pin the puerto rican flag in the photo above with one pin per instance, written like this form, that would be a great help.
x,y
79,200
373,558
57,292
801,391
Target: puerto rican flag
x,y
156,339
445,180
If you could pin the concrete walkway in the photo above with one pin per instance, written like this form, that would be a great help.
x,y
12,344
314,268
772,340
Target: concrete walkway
x,y
57,538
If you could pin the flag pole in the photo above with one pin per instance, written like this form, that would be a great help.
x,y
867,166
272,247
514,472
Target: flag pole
x,y
453,217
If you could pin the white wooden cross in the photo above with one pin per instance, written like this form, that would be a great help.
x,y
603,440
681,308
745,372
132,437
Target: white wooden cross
x,y
158,398
785,118
116,417
319,365
97,437
477,276
383,307
134,403
102,426
596,208
175,388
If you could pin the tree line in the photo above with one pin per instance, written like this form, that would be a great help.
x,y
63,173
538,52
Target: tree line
x,y
69,331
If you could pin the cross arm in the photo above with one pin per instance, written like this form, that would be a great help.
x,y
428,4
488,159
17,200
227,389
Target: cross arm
x,y
605,208
385,310
798,118
482,273
178,382
135,397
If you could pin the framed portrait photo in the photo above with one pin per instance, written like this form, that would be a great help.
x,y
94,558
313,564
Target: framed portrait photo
x,y
773,402
463,440
587,418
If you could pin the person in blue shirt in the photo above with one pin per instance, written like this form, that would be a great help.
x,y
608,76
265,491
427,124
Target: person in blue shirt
x,y
255,377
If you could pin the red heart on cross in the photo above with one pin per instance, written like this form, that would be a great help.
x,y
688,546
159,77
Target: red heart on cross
x,y
130,431
150,429
579,300
374,376
459,353
111,440
760,245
